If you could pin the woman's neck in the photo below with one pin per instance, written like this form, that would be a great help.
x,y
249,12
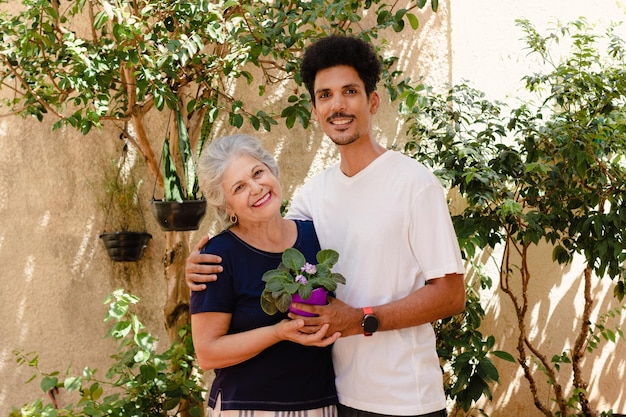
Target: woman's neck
x,y
271,236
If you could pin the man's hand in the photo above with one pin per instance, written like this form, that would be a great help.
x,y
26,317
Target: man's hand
x,y
197,272
339,316
439,298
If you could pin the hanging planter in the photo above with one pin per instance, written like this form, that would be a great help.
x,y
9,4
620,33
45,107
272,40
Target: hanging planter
x,y
181,209
126,241
125,246
181,216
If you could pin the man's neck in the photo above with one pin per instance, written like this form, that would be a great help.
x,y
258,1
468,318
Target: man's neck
x,y
358,155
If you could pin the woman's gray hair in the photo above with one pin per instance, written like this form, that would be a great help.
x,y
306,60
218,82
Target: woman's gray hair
x,y
214,161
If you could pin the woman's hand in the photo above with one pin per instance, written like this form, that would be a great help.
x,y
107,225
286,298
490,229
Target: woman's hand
x,y
291,330
215,348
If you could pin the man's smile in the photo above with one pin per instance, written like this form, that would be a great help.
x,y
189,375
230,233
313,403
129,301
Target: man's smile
x,y
340,119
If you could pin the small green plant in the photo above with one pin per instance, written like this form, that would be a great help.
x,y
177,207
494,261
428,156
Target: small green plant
x,y
119,200
296,275
141,382
180,181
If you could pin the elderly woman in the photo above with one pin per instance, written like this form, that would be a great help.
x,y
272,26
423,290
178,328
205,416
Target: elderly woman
x,y
262,363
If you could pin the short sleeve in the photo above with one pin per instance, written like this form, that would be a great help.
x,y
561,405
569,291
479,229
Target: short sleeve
x,y
219,295
432,236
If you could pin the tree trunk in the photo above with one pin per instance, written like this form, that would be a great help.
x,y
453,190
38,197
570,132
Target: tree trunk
x,y
578,352
176,309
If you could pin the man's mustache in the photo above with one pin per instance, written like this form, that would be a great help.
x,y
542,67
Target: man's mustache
x,y
339,116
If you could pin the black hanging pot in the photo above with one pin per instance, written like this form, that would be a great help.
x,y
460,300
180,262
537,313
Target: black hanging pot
x,y
175,216
125,246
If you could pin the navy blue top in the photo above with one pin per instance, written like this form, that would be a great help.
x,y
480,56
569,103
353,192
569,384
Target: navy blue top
x,y
284,377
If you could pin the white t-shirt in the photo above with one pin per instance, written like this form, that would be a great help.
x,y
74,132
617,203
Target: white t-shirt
x,y
391,226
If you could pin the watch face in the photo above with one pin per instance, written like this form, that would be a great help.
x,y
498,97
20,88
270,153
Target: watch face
x,y
370,323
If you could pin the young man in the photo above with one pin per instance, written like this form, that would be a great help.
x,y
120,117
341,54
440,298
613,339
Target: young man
x,y
387,216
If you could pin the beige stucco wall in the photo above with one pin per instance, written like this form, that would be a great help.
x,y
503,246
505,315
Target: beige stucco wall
x,y
55,272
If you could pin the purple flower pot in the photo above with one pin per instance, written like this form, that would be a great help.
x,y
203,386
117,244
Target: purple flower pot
x,y
318,298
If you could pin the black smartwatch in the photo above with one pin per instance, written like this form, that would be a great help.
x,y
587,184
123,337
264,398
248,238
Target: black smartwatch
x,y
369,322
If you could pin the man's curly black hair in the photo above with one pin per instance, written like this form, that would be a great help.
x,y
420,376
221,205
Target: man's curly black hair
x,y
337,50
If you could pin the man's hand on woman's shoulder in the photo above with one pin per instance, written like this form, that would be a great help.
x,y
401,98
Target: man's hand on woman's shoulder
x,y
201,268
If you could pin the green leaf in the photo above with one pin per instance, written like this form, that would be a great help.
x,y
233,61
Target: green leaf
x,y
560,255
275,275
489,369
100,20
48,383
148,372
144,340
235,119
268,305
503,355
186,155
283,302
327,257
196,411
276,284
96,391
338,278
413,21
171,403
293,259
141,356
304,292
172,187
120,329
72,383
610,335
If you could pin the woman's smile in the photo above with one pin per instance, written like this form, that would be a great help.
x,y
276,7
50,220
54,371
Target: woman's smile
x,y
262,201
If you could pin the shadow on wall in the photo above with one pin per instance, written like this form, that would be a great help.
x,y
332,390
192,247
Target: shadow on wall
x,y
555,309
56,272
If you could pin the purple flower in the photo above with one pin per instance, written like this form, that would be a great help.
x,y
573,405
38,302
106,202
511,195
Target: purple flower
x,y
301,279
309,269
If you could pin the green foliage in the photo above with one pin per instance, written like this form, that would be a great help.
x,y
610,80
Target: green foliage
x,y
549,171
140,382
295,275
553,172
599,331
86,63
465,353
132,55
180,184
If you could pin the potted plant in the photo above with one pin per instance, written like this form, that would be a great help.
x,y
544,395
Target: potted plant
x,y
296,280
181,208
127,238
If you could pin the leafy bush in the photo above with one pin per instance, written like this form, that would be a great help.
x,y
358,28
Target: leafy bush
x,y
551,171
141,382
